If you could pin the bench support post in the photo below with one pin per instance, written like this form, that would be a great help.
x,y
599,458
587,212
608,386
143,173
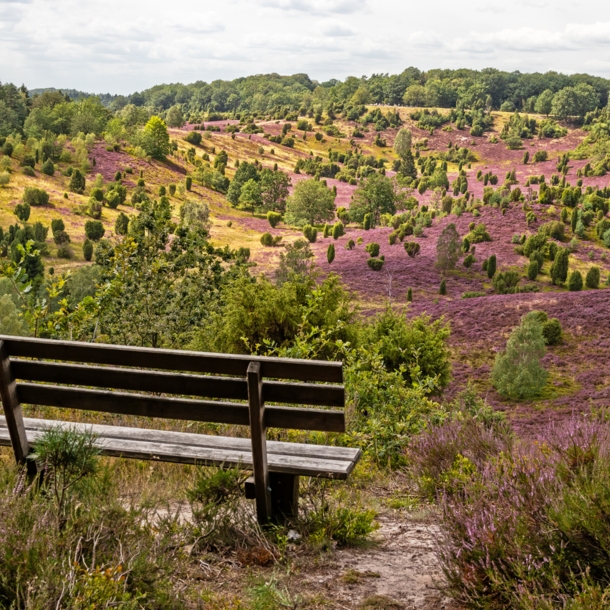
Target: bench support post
x,y
258,434
12,412
284,495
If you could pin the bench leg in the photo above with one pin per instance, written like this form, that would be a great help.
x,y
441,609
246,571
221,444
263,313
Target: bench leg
x,y
284,495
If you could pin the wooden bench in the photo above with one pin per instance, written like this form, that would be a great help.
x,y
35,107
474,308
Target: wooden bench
x,y
137,381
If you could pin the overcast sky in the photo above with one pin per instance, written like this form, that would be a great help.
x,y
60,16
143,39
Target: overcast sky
x,y
128,45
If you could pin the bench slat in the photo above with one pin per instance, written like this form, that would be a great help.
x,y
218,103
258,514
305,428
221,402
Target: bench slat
x,y
175,383
290,458
174,360
177,408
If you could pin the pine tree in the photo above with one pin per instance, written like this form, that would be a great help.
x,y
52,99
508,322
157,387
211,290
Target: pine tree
x,y
575,282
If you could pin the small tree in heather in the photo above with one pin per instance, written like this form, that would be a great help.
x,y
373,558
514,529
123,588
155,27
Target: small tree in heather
x,y
311,203
575,281
402,147
448,248
77,182
559,268
491,266
442,289
122,224
517,372
592,278
330,253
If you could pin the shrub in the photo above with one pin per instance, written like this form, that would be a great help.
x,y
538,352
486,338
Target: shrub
x,y
77,182
559,268
442,290
532,270
310,233
518,372
469,261
330,253
575,282
376,264
410,295
552,331
553,229
172,190
88,249
373,249
94,230
491,266
540,156
48,168
5,178
22,211
367,222
506,282
188,183
350,245
338,230
592,278
122,224
35,197
267,239
113,199
412,248
61,238
274,218
193,137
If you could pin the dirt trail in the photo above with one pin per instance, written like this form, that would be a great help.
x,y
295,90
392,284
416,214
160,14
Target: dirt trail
x,y
402,567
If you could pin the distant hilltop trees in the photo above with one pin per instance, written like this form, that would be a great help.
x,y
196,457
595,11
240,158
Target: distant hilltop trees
x,y
565,97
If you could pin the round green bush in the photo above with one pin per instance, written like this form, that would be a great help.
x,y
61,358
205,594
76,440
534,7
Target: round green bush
x,y
94,230
372,249
48,168
310,233
267,239
552,332
274,218
376,264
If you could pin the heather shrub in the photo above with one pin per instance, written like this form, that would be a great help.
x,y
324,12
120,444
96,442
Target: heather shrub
x,y
518,372
530,528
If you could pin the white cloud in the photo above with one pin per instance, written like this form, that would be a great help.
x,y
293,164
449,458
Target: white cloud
x,y
337,28
317,7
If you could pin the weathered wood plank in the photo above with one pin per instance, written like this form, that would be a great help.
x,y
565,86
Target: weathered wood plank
x,y
12,410
175,360
326,452
258,436
175,383
177,408
129,448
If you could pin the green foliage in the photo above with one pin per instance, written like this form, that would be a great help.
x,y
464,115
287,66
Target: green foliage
x,y
310,233
295,262
575,282
338,230
48,167
376,195
592,278
274,218
506,282
88,250
94,230
372,248
312,202
155,138
22,211
35,197
274,190
376,264
518,372
442,290
559,268
532,270
330,253
122,224
491,266
412,248
77,182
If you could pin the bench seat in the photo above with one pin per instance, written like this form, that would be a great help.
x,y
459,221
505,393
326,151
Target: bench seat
x,y
188,448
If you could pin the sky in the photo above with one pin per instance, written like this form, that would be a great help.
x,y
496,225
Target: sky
x,y
113,46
